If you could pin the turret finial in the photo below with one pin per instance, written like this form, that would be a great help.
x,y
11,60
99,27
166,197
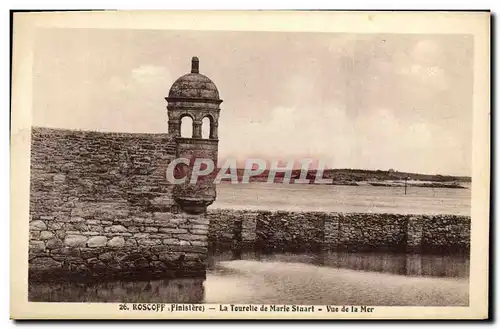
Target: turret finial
x,y
195,65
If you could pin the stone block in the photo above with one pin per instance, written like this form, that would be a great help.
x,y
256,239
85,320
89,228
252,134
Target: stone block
x,y
174,242
81,227
61,234
45,235
199,220
131,242
54,243
55,226
138,220
34,235
38,225
162,216
73,232
115,229
106,257
75,241
90,233
126,234
165,224
198,227
191,237
133,229
198,232
199,243
173,230
37,245
116,242
97,241
148,242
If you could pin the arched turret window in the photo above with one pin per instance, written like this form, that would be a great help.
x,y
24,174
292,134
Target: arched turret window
x,y
187,127
206,128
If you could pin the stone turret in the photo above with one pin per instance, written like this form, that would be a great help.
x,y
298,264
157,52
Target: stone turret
x,y
194,95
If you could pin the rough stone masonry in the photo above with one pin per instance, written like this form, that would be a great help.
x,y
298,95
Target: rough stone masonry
x,y
100,207
288,231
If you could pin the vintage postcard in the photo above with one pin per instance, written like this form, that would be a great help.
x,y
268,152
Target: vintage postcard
x,y
250,165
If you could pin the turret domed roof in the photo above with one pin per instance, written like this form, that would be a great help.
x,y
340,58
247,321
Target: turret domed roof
x,y
194,85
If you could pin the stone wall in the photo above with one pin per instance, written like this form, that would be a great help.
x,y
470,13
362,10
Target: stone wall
x,y
372,231
448,233
71,170
223,228
155,245
313,231
276,232
100,205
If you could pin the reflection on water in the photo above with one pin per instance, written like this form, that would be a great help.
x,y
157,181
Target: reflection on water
x,y
155,291
328,278
394,263
271,282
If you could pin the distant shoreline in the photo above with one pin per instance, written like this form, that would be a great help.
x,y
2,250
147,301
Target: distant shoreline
x,y
431,184
453,185
378,178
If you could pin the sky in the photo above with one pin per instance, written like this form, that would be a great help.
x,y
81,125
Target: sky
x,y
363,101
